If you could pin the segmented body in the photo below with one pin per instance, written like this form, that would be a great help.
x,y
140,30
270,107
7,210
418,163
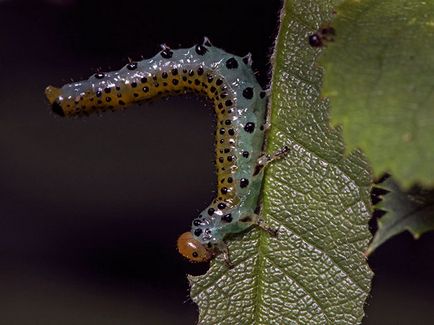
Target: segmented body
x,y
240,106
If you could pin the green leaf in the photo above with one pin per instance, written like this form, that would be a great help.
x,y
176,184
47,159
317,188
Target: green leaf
x,y
379,73
412,211
314,272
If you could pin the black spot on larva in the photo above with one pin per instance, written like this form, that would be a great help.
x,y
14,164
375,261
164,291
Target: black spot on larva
x,y
246,219
219,82
200,71
175,81
228,103
212,89
132,66
99,102
145,89
201,50
227,150
228,122
108,99
211,211
197,82
121,102
144,79
107,90
221,206
230,179
227,217
231,132
195,254
221,159
248,93
210,78
174,72
244,182
98,93
224,190
184,78
230,158
166,53
135,94
164,84
249,127
245,154
262,94
222,131
198,232
99,75
134,84
57,109
231,63
197,222
164,75
191,73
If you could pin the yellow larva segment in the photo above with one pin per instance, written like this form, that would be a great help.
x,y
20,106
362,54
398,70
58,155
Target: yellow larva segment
x,y
165,83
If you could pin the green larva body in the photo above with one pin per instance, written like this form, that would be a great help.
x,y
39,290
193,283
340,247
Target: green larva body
x,y
240,106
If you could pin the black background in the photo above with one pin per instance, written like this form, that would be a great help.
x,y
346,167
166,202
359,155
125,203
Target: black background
x,y
90,209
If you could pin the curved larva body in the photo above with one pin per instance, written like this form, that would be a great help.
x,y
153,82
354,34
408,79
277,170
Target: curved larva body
x,y
240,107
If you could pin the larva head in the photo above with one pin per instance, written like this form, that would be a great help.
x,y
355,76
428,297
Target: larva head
x,y
192,249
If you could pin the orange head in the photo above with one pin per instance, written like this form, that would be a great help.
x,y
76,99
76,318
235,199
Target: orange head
x,y
192,249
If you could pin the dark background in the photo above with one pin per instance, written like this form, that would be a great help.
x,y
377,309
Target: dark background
x,y
90,209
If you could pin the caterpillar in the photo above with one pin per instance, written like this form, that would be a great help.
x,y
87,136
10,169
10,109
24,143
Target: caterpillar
x,y
240,105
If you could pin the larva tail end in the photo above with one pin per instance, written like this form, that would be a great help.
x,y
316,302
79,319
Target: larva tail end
x,y
52,94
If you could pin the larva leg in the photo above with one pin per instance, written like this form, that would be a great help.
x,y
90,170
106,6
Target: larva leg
x,y
264,160
264,226
257,221
223,249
